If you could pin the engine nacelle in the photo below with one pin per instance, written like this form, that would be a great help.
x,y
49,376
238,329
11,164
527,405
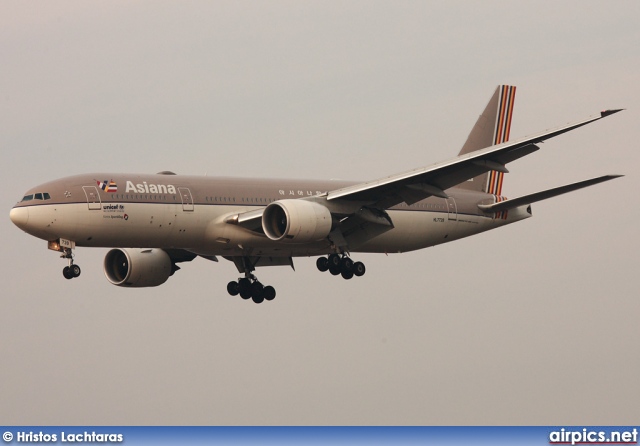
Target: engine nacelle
x,y
137,267
296,221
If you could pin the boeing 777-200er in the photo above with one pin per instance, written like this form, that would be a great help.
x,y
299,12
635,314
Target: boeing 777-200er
x,y
154,222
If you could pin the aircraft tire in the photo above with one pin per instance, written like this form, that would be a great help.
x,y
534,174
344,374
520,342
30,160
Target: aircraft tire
x,y
322,263
256,289
334,270
244,285
346,264
347,275
258,298
359,269
75,270
66,272
334,261
232,288
269,292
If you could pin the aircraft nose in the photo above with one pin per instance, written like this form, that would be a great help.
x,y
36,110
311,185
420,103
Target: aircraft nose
x,y
20,217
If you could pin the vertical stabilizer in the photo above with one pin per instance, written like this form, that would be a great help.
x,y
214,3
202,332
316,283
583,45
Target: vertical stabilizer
x,y
491,128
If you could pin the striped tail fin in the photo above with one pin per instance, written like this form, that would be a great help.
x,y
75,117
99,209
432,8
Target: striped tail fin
x,y
492,127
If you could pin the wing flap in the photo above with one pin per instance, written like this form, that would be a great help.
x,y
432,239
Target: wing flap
x,y
434,182
242,263
543,195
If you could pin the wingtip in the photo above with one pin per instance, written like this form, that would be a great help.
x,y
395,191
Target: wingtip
x,y
610,177
605,113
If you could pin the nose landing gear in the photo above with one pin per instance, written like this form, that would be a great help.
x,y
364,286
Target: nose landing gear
x,y
72,271
65,247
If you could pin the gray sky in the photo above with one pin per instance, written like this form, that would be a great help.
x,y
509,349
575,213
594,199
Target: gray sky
x,y
534,323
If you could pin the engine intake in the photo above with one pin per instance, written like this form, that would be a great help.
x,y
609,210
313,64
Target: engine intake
x,y
296,221
137,267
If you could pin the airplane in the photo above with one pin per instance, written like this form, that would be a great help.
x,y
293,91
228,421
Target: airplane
x,y
152,222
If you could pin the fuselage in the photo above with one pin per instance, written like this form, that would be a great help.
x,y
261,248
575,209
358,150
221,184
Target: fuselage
x,y
192,212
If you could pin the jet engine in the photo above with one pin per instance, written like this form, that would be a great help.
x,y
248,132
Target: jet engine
x,y
296,221
137,267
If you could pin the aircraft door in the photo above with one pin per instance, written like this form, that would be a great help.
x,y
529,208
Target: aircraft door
x,y
93,198
452,209
187,199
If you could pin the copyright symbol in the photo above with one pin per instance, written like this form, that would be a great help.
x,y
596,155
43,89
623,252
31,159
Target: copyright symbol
x,y
7,437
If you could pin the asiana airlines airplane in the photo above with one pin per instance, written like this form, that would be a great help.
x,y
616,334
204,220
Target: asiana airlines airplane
x,y
155,222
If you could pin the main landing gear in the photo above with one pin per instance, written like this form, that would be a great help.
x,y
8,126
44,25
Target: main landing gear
x,y
343,266
73,270
250,288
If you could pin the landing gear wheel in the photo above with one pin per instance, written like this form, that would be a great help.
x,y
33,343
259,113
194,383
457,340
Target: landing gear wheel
x,y
66,272
232,288
256,290
334,270
347,275
258,298
346,264
269,292
244,285
359,269
75,270
334,261
322,263
244,288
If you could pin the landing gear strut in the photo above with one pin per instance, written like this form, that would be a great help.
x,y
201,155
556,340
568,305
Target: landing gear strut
x,y
343,266
249,287
73,270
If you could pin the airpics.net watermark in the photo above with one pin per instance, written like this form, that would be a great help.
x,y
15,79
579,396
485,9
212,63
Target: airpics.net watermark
x,y
62,437
588,436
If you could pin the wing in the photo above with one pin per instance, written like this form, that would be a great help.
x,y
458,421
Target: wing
x,y
251,220
418,184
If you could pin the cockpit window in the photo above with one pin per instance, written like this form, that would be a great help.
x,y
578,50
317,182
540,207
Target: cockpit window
x,y
38,196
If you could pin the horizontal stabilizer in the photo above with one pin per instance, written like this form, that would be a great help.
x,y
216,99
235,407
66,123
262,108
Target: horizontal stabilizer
x,y
539,196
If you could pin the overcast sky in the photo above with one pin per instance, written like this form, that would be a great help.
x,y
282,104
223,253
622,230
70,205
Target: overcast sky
x,y
534,323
